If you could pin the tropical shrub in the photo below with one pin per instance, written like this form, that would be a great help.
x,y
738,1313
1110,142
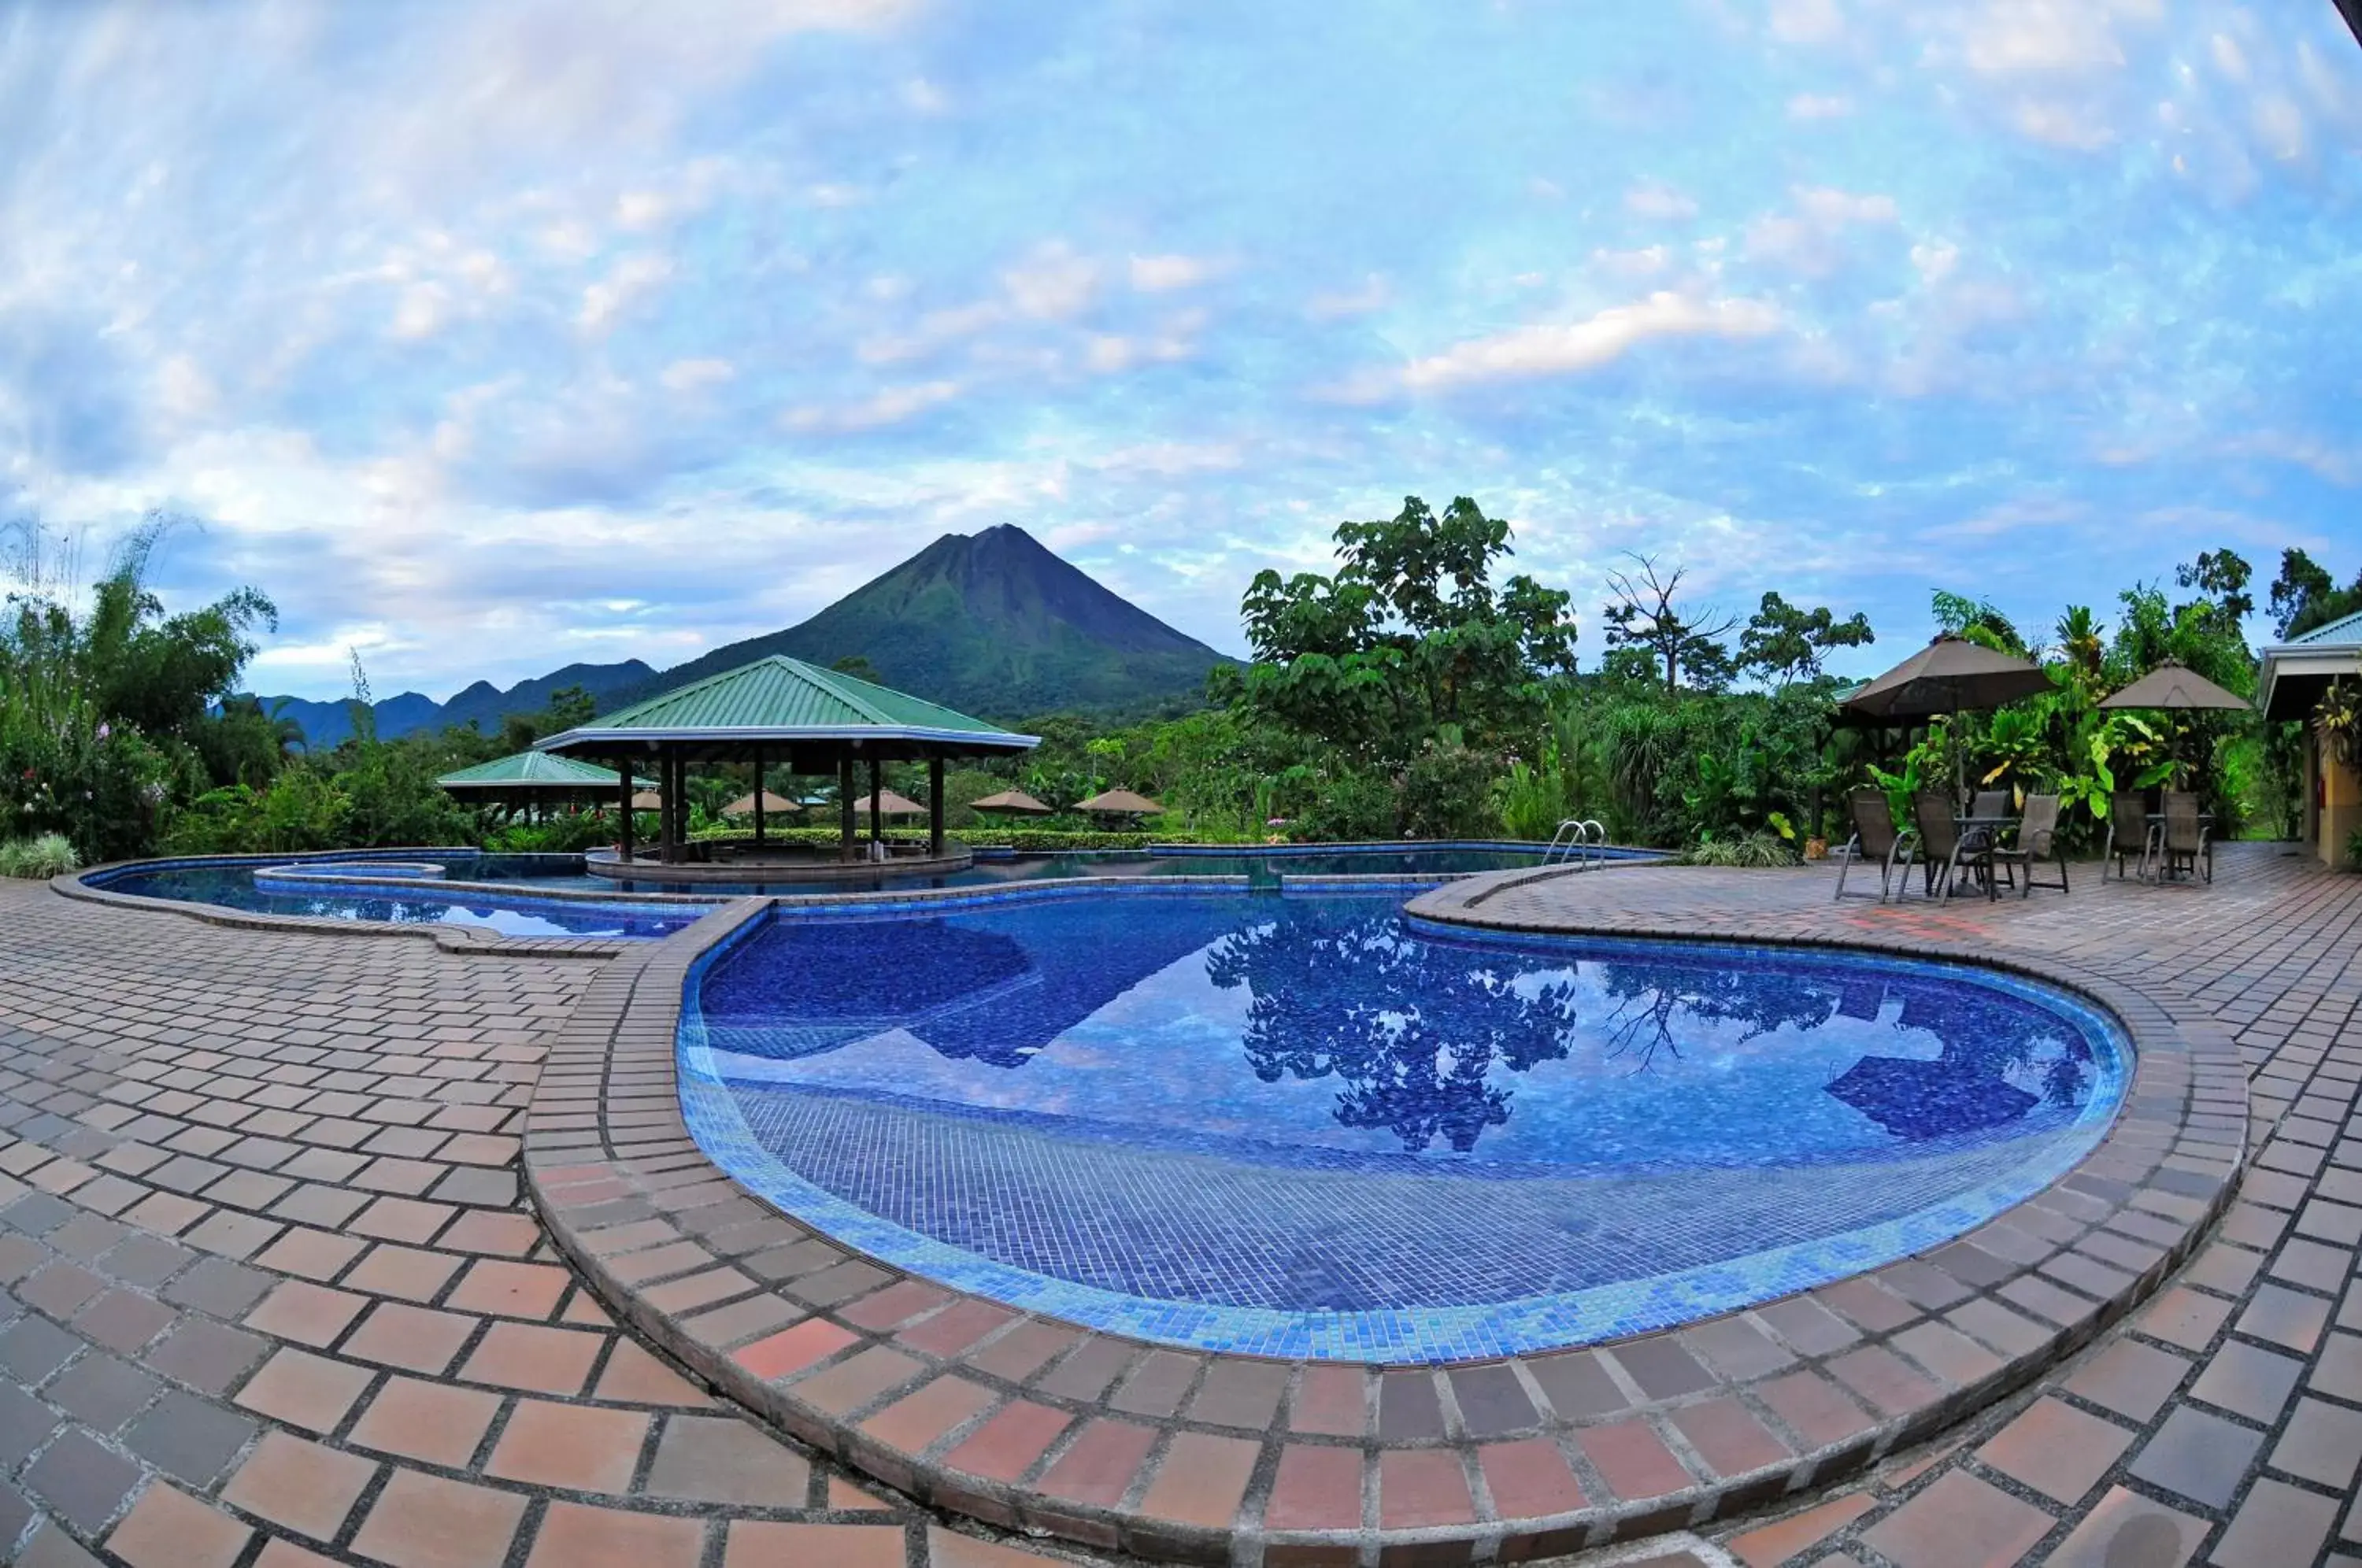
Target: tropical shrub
x,y
1751,850
51,854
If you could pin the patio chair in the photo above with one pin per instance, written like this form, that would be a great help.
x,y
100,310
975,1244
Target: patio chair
x,y
1993,803
1875,837
2128,830
1941,839
2186,841
2038,840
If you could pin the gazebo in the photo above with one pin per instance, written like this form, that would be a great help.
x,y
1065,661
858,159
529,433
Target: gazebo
x,y
531,778
807,719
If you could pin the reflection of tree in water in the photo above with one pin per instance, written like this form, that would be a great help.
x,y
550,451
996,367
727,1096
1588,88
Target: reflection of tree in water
x,y
1650,996
1410,1028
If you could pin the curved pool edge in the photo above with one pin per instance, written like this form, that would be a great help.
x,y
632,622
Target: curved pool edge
x,y
895,1374
451,937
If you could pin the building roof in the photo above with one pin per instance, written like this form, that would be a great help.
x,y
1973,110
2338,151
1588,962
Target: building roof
x,y
2345,629
2296,672
533,771
786,701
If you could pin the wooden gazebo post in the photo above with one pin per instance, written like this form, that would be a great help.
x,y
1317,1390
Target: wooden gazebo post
x,y
758,794
845,803
623,833
876,832
934,808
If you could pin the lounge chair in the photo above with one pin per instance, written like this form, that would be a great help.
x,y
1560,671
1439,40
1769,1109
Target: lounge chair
x,y
2038,840
1875,837
1941,839
2128,832
2186,840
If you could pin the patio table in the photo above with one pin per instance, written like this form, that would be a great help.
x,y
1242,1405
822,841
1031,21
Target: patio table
x,y
2155,844
1988,831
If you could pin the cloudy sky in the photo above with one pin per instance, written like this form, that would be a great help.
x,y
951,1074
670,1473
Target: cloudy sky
x,y
487,337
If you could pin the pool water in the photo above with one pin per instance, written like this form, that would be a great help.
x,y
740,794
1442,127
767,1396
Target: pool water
x,y
1308,1126
233,887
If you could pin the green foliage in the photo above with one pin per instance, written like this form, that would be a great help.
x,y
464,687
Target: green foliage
x,y
49,854
1447,793
1785,644
1646,616
1409,637
1751,850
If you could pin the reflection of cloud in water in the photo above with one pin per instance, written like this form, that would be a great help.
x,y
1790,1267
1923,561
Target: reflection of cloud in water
x,y
1330,1027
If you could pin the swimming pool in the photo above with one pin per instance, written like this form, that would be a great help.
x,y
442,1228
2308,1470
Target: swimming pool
x,y
1307,1126
316,892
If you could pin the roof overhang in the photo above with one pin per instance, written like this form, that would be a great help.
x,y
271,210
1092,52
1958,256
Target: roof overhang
x,y
2352,11
879,740
2296,674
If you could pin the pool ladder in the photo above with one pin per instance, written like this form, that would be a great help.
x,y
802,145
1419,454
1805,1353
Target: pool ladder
x,y
1580,840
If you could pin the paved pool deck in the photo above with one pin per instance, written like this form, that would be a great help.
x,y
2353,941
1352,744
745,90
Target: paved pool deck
x,y
276,1295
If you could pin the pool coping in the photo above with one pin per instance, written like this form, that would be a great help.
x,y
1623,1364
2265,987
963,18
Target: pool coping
x,y
449,936
1023,1422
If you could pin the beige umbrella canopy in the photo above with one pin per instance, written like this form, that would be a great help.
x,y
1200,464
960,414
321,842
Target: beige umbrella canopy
x,y
1119,803
1951,675
2175,686
890,804
1011,802
648,801
743,806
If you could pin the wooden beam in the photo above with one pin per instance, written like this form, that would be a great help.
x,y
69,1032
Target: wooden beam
x,y
759,795
624,831
936,807
845,803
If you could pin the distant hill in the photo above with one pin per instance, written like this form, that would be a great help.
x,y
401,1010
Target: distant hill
x,y
990,623
993,625
483,704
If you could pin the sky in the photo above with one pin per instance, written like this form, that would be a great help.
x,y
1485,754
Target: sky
x,y
488,337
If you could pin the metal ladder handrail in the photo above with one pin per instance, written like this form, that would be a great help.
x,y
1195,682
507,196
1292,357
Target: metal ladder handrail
x,y
1580,840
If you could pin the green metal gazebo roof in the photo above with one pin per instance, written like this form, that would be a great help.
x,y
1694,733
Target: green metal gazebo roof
x,y
786,701
534,770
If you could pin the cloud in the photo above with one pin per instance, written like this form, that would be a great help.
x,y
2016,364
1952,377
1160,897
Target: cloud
x,y
1660,202
1810,238
695,375
1156,274
891,406
1052,284
1806,21
1819,106
1372,295
1575,347
633,278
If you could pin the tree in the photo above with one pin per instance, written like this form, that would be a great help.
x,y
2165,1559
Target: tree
x,y
1787,645
1410,639
2221,578
1647,614
1978,620
857,666
2305,596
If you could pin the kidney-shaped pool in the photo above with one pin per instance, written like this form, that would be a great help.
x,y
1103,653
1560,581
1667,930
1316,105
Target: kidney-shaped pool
x,y
1311,1127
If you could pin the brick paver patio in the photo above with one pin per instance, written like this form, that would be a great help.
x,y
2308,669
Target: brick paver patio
x,y
274,1297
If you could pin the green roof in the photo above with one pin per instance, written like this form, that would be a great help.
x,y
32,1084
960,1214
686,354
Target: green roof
x,y
2335,634
533,771
782,699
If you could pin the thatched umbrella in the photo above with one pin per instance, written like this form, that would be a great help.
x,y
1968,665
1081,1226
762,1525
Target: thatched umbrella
x,y
890,804
1012,803
2174,686
744,804
1119,803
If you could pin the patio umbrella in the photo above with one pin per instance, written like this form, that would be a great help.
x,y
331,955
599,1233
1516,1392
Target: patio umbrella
x,y
1915,1100
743,806
1119,803
890,804
648,801
1949,675
1011,802
2176,687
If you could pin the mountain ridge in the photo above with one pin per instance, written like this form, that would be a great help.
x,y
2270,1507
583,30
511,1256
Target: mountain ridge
x,y
993,623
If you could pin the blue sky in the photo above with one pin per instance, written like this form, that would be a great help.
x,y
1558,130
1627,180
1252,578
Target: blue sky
x,y
485,338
